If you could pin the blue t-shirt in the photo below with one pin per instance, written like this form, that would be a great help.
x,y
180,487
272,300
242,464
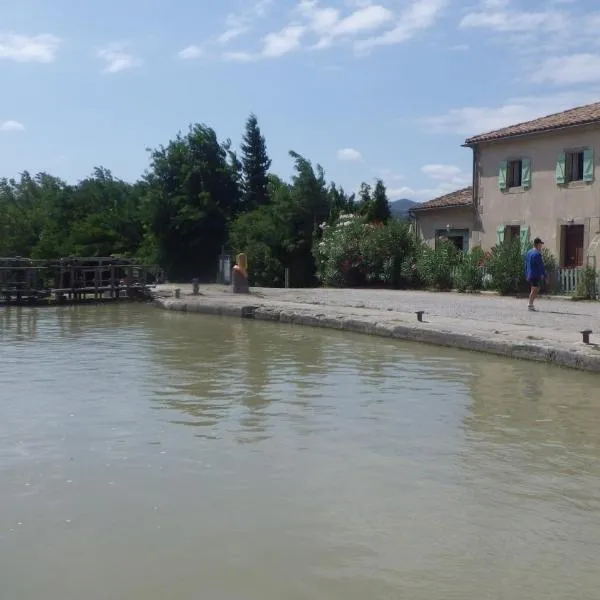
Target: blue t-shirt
x,y
534,265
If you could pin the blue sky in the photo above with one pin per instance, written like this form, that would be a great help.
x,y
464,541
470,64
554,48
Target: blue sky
x,y
381,88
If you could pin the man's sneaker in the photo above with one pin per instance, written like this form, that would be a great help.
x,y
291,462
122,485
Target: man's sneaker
x,y
532,307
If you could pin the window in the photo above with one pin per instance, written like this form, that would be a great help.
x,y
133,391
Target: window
x,y
574,166
514,173
512,232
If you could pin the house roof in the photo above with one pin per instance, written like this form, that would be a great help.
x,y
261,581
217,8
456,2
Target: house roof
x,y
456,199
581,115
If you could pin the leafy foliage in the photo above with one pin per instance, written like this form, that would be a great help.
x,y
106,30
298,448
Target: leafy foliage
x,y
436,265
506,267
468,273
354,253
587,288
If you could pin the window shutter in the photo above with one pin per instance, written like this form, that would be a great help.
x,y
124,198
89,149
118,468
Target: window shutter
x,y
500,234
502,175
524,235
588,164
560,168
526,173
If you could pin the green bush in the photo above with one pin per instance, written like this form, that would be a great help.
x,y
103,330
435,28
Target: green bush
x,y
436,266
586,286
468,274
505,266
353,253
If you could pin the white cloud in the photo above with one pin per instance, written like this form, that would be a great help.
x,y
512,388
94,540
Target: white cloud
x,y
318,19
349,155
514,20
282,42
237,25
441,172
423,194
312,19
117,59
9,126
190,52
420,15
472,120
240,56
568,70
275,44
22,48
389,175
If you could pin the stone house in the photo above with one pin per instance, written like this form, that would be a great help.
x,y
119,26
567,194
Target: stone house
x,y
537,178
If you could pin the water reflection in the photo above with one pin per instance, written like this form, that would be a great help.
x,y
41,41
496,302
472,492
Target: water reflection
x,y
171,455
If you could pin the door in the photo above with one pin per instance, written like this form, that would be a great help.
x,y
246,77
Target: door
x,y
573,245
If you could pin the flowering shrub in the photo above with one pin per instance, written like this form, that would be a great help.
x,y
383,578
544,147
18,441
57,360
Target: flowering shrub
x,y
353,253
436,266
468,274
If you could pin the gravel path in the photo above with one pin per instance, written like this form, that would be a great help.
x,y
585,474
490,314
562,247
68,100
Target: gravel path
x,y
556,314
480,322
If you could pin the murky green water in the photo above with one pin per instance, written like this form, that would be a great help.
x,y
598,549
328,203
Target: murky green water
x,y
147,455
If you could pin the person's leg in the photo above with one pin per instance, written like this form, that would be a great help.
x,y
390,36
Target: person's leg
x,y
533,295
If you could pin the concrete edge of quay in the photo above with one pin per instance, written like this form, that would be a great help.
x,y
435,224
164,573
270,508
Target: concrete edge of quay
x,y
325,317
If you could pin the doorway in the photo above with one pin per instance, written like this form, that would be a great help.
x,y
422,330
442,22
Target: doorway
x,y
572,238
458,237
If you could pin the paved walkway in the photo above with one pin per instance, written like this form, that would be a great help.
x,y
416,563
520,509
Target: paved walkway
x,y
487,322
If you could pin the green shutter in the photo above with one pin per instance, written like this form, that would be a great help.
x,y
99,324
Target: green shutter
x,y
502,175
524,234
500,234
526,173
560,168
588,164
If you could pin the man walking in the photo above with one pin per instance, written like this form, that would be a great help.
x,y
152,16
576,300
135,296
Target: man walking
x,y
534,270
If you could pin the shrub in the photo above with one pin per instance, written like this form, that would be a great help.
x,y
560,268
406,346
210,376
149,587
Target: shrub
x,y
468,274
436,266
586,286
353,253
505,266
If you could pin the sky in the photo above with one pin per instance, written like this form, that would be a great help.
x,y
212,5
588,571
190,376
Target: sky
x,y
369,89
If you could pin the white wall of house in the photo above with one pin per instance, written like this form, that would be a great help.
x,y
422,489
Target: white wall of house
x,y
544,203
443,219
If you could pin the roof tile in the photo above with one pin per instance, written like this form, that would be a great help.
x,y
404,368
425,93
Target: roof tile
x,y
580,115
462,197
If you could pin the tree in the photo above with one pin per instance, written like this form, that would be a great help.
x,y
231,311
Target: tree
x,y
380,206
192,194
255,166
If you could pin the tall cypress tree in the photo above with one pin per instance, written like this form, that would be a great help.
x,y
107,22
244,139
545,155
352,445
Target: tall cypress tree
x,y
380,204
255,166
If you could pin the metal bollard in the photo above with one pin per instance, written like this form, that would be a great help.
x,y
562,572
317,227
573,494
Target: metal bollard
x,y
196,286
420,315
177,293
586,335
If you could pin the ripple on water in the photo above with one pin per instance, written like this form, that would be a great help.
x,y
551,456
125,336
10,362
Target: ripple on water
x,y
270,461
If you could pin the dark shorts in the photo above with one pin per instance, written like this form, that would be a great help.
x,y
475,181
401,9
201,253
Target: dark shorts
x,y
534,282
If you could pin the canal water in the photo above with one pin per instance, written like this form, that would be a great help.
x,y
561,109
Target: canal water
x,y
147,455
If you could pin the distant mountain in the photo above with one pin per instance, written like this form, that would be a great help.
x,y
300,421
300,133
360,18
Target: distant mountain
x,y
400,208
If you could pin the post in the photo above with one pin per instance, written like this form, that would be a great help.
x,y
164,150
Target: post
x,y
287,277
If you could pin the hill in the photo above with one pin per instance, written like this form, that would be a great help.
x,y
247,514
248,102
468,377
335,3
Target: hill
x,y
400,208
